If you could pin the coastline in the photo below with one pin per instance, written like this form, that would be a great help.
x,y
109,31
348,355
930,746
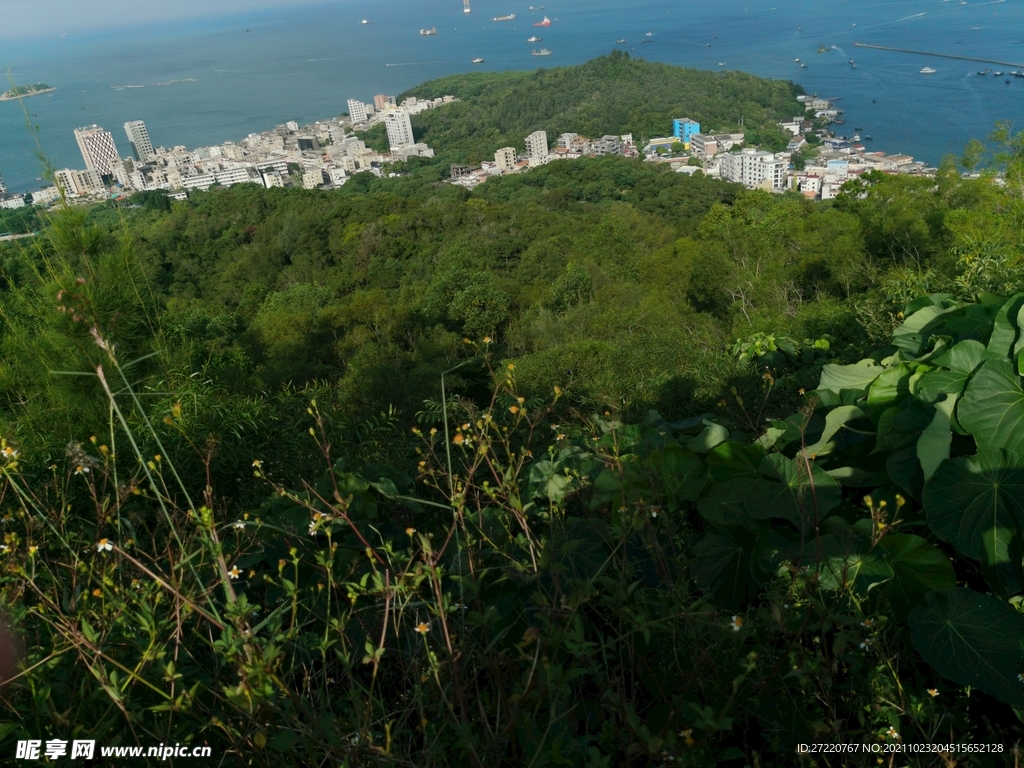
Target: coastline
x,y
8,97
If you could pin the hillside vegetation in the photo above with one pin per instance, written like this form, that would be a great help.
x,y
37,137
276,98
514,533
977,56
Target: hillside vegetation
x,y
614,94
597,465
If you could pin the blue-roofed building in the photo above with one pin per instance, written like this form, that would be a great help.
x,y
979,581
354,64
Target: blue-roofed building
x,y
683,128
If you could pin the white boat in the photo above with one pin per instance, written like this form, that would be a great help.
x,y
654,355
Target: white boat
x,y
478,61
364,21
431,31
928,71
541,52
510,17
721,63
534,39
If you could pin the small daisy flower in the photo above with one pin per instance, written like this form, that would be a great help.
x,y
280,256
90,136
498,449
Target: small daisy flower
x,y
104,545
238,524
736,623
32,550
257,463
459,439
81,469
423,628
9,453
866,644
234,573
4,549
410,531
487,339
933,692
891,733
97,593
867,623
514,409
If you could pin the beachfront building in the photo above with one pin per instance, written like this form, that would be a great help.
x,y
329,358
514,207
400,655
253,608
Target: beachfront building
x,y
381,102
683,128
399,128
3,187
79,183
97,148
138,139
505,159
754,169
537,146
357,111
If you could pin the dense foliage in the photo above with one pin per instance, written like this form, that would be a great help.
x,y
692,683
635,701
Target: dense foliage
x,y
614,94
596,465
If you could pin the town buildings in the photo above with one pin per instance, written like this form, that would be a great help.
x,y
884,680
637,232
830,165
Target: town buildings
x,y
358,112
399,128
97,148
754,169
138,139
683,128
537,147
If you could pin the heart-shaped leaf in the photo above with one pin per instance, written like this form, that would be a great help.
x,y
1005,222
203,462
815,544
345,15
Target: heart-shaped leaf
x,y
977,505
918,569
722,565
992,408
972,639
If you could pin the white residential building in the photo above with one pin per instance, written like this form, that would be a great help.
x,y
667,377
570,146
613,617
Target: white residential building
x,y
44,196
537,146
138,139
312,179
754,169
271,179
399,128
357,112
505,159
97,147
3,187
15,201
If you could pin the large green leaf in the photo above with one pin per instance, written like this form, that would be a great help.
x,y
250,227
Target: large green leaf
x,y
713,434
836,419
972,639
796,496
845,558
724,505
933,445
912,336
836,378
681,472
918,569
977,505
992,408
1005,327
722,565
891,387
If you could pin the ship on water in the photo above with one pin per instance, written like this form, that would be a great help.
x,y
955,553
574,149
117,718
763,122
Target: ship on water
x,y
478,61
534,39
545,23
541,52
510,17
431,31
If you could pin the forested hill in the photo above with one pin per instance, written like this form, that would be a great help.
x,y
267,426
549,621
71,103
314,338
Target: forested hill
x,y
613,94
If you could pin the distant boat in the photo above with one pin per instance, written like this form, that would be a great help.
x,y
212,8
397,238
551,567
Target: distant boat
x,y
856,137
545,23
510,17
534,39
478,61
541,52
721,63
431,31
994,74
364,21
867,138
797,60
650,34
620,42
803,66
928,71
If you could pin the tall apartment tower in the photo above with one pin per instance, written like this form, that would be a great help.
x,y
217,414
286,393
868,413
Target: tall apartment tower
x,y
505,158
537,145
97,147
382,102
138,137
357,111
399,128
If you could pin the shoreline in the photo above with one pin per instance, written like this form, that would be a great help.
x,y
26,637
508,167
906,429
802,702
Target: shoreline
x,y
8,97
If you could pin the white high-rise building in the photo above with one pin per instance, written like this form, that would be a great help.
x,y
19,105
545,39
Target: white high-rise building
x,y
399,128
505,158
357,111
97,147
3,187
754,169
537,145
138,138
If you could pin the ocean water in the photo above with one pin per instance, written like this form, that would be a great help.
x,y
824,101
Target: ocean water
x,y
205,82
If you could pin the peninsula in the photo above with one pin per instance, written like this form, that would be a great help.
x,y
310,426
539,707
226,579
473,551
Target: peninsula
x,y
26,90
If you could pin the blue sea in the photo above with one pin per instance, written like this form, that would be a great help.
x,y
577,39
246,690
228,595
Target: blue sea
x,y
253,71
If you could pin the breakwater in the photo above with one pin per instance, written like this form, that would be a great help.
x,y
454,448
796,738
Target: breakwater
x,y
940,55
